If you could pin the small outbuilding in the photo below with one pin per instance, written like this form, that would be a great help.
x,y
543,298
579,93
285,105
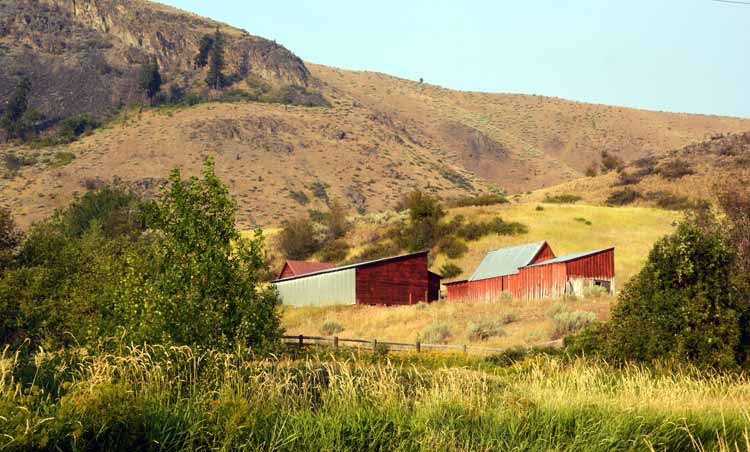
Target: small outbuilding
x,y
532,271
398,280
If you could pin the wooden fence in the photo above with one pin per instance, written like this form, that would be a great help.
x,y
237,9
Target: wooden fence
x,y
373,344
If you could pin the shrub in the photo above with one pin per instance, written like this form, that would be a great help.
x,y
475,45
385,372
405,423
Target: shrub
x,y
676,169
453,247
10,237
475,231
436,333
13,162
377,251
336,221
297,239
623,197
539,208
583,220
508,317
73,127
424,226
595,291
334,251
591,171
331,327
561,199
450,270
484,329
611,162
556,309
670,201
481,200
299,196
682,305
568,322
626,178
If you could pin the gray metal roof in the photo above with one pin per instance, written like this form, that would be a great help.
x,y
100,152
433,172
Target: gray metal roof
x,y
506,261
570,257
346,267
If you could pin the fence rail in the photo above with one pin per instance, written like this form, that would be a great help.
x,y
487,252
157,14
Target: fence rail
x,y
372,344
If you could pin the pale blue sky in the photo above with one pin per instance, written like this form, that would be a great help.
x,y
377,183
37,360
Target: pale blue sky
x,y
674,55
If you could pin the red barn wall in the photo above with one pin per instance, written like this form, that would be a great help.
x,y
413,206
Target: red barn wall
x,y
394,282
598,266
489,289
544,281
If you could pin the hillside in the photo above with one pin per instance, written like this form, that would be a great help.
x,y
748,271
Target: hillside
x,y
379,137
670,179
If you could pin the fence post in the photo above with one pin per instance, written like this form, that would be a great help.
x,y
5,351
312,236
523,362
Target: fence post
x,y
374,344
465,349
335,342
301,340
419,347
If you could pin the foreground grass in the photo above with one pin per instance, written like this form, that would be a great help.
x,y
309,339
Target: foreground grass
x,y
156,398
522,322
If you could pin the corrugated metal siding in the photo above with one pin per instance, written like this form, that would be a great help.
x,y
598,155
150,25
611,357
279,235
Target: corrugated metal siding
x,y
336,288
534,283
485,290
598,266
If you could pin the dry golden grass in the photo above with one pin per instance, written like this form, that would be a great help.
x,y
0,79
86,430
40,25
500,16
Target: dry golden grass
x,y
404,323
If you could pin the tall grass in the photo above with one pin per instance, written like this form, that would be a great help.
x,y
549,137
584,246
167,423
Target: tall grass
x,y
159,398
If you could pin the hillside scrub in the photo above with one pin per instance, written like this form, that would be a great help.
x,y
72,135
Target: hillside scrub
x,y
181,398
561,199
623,197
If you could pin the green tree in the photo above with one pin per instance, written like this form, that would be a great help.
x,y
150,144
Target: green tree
x,y
682,305
424,227
216,78
149,79
204,47
336,221
201,282
13,119
10,237
298,239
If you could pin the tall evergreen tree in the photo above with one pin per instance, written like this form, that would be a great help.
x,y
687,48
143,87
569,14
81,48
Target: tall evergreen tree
x,y
149,79
216,78
13,118
207,42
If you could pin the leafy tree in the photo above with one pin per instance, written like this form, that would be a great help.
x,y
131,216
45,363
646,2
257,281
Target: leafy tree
x,y
149,79
298,239
424,226
204,47
201,282
216,78
13,120
682,305
335,220
73,127
10,236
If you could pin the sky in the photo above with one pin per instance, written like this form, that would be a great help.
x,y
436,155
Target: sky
x,y
671,55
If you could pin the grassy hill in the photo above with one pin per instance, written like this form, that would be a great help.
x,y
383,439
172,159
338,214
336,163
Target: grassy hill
x,y
372,138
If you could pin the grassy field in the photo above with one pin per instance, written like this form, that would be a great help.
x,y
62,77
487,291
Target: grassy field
x,y
175,399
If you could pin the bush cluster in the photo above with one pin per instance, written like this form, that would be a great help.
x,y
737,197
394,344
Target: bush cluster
x,y
436,333
484,329
561,199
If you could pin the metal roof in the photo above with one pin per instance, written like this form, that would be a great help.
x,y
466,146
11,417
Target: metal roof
x,y
570,257
506,261
305,267
346,267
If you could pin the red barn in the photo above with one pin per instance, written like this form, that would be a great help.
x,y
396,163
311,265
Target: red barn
x,y
399,280
533,272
